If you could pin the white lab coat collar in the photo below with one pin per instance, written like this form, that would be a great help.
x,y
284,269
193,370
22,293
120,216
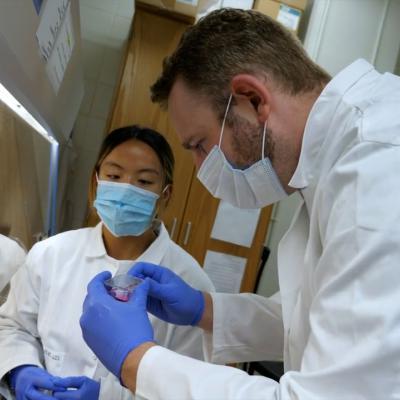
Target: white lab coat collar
x,y
97,248
153,254
318,122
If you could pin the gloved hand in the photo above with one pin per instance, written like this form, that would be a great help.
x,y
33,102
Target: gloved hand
x,y
31,382
112,328
170,297
77,387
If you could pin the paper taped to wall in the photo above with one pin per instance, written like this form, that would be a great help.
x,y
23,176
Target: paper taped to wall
x,y
225,271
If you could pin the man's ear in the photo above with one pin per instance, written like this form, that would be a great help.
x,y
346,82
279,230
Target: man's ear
x,y
251,93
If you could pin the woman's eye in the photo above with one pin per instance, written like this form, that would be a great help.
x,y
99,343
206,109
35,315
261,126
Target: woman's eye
x,y
113,177
145,182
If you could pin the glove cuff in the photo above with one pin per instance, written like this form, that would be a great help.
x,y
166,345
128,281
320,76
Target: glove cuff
x,y
200,309
13,375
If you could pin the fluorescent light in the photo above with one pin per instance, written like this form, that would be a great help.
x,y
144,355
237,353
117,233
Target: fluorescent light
x,y
7,98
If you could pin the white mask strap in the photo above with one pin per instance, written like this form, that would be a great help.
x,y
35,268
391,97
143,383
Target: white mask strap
x,y
263,141
223,122
165,189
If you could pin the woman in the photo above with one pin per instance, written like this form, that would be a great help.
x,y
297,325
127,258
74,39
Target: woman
x,y
40,336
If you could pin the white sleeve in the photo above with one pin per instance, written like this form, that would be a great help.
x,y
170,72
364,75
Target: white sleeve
x,y
247,327
186,340
164,374
19,338
12,256
111,388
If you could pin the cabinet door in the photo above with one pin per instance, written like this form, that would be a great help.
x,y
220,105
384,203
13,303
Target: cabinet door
x,y
153,38
195,235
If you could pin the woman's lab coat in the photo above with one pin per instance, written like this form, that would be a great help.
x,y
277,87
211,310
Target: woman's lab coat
x,y
12,256
336,319
39,324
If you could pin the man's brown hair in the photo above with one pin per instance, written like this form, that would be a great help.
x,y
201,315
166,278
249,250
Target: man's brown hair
x,y
228,42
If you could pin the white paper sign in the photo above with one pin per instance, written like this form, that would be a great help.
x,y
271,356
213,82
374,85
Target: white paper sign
x,y
61,53
235,225
50,24
289,17
189,2
243,4
225,271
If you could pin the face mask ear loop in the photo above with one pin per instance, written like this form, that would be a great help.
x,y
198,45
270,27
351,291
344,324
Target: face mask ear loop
x,y
263,141
223,122
163,191
155,214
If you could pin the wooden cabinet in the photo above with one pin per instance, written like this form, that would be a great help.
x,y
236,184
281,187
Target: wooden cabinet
x,y
153,37
191,212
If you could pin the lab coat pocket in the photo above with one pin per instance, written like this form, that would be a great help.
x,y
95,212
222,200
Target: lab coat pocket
x,y
54,361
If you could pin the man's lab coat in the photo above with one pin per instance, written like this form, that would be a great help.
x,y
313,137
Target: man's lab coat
x,y
12,256
39,323
336,319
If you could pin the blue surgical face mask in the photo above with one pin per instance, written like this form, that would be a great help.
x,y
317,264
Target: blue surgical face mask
x,y
126,210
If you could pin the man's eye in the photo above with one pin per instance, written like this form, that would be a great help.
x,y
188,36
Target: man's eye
x,y
199,147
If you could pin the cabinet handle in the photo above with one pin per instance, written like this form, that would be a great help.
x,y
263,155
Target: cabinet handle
x,y
187,233
173,227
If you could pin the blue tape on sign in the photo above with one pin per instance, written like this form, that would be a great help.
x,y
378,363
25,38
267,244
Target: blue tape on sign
x,y
290,10
38,5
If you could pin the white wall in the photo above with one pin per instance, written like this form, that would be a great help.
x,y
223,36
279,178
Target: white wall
x,y
339,32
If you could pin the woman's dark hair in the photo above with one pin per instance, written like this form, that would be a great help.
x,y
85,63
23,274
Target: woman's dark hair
x,y
120,135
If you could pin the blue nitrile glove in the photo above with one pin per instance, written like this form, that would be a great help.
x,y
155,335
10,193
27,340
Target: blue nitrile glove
x,y
30,383
77,388
112,328
170,297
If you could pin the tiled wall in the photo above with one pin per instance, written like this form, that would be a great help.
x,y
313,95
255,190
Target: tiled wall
x,y
105,26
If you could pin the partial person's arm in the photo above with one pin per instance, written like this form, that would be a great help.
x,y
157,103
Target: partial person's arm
x,y
12,256
232,342
19,337
131,365
206,321
132,361
173,300
180,304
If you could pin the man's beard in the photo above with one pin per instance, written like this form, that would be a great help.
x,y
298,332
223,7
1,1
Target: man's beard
x,y
247,141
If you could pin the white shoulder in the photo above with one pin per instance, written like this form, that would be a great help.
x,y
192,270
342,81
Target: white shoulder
x,y
64,242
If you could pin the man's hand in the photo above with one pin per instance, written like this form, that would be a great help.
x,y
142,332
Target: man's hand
x,y
170,297
112,328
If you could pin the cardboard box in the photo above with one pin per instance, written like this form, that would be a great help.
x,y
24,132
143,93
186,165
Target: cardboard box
x,y
185,7
288,16
299,4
